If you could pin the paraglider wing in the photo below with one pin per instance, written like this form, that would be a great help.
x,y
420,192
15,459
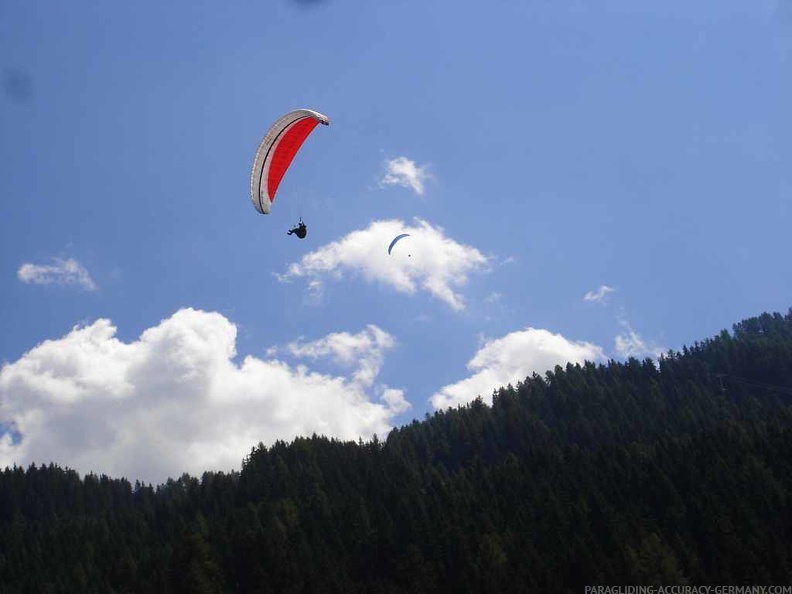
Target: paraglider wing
x,y
276,151
396,239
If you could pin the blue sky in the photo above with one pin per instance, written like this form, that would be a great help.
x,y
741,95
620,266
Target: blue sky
x,y
582,181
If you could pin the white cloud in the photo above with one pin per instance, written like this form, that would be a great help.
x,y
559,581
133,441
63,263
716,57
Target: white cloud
x,y
512,358
630,344
427,260
365,350
401,171
314,294
395,401
61,272
600,295
175,401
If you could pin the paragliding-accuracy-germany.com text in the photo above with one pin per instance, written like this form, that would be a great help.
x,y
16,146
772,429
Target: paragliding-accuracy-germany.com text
x,y
688,590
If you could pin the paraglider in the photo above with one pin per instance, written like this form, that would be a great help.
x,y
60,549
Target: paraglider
x,y
300,230
396,240
275,154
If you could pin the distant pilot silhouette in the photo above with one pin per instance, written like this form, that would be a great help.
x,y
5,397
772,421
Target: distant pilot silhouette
x,y
300,230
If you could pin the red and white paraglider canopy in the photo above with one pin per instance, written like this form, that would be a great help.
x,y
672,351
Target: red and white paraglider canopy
x,y
276,151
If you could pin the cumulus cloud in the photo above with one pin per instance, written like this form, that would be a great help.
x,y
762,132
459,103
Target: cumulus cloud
x,y
404,172
512,358
60,272
395,401
427,260
365,350
600,295
630,344
174,400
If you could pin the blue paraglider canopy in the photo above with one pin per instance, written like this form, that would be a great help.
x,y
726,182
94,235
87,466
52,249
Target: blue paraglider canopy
x,y
395,240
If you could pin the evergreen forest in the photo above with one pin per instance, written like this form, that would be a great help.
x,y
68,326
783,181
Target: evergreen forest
x,y
669,472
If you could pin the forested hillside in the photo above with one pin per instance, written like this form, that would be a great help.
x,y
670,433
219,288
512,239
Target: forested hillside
x,y
597,474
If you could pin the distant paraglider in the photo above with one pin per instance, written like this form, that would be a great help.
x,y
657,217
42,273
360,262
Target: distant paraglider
x,y
275,154
300,230
395,241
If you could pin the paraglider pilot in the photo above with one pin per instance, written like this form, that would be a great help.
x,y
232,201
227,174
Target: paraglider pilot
x,y
300,230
